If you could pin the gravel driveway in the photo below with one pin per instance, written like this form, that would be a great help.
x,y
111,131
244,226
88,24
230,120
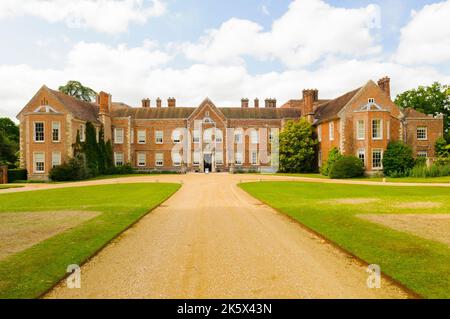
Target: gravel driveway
x,y
213,240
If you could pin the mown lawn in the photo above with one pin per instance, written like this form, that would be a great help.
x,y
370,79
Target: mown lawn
x,y
420,264
441,179
31,272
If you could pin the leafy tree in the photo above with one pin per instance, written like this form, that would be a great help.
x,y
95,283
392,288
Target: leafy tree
x,y
9,128
77,90
333,156
433,99
398,159
9,142
91,149
297,147
347,167
442,148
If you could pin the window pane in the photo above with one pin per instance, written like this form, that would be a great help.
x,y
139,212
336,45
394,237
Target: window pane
x,y
55,131
376,129
39,132
376,159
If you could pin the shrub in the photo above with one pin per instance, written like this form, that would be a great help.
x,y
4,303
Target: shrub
x,y
347,167
17,175
333,156
434,171
123,169
74,169
297,147
397,158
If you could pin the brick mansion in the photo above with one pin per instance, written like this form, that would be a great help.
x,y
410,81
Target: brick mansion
x,y
360,122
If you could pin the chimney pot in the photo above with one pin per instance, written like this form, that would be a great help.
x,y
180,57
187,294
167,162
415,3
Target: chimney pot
x,y
171,102
146,102
158,102
385,85
256,103
244,102
104,102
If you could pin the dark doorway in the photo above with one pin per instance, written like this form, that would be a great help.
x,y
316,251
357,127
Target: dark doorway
x,y
207,162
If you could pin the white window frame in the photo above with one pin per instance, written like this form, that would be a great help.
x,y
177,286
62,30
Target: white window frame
x,y
196,157
56,159
176,136
118,138
380,137
141,159
218,136
140,139
238,137
196,136
361,129
58,128
371,100
132,136
116,160
331,130
218,158
159,159
254,158
422,154
361,154
388,130
319,133
82,132
35,166
238,156
35,131
254,137
381,158
207,135
159,137
425,128
174,162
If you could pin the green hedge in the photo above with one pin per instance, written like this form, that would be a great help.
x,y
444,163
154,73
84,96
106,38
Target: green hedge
x,y
347,167
17,174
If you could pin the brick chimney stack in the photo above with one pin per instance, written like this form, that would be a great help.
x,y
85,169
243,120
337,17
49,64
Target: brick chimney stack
x,y
309,97
256,103
146,102
244,102
270,103
158,102
385,85
104,100
171,102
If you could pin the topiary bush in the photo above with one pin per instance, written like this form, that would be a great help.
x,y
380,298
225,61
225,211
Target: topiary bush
x,y
73,170
347,167
17,174
397,159
333,156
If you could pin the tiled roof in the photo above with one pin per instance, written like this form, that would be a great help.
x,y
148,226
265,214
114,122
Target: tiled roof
x,y
184,112
82,110
330,109
299,103
411,113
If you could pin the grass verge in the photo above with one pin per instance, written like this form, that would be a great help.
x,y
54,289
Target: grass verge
x,y
420,264
30,273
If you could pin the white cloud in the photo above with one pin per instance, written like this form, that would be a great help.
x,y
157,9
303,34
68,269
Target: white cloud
x,y
307,32
426,38
131,73
101,15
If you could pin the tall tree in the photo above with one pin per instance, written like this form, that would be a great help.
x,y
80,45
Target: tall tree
x,y
9,141
433,99
10,129
77,90
297,147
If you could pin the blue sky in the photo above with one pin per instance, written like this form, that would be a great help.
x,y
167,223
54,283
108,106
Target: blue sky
x,y
226,50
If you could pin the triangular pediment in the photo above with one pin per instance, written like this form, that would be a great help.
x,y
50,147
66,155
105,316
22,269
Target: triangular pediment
x,y
206,111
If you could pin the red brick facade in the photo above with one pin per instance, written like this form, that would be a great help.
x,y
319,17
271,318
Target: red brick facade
x,y
360,122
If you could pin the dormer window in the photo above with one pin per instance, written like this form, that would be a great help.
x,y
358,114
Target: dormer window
x,y
371,100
